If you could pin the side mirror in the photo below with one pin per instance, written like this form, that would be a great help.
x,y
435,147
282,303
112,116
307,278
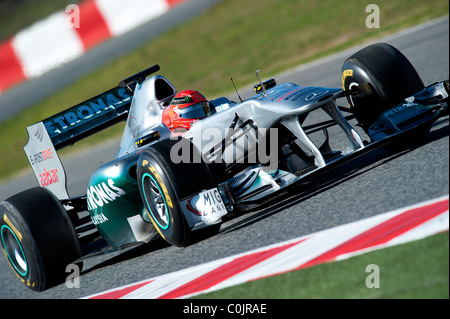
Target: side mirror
x,y
267,85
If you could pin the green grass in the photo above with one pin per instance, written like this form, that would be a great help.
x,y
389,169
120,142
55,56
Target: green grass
x,y
416,270
232,39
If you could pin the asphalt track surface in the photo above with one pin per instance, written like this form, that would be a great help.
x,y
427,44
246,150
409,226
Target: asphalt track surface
x,y
373,184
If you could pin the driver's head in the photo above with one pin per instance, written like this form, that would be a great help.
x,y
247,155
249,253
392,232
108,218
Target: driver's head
x,y
186,108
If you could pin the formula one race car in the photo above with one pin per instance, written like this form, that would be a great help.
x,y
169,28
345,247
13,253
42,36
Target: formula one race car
x,y
231,158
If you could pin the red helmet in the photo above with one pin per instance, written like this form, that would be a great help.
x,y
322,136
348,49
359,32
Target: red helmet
x,y
186,108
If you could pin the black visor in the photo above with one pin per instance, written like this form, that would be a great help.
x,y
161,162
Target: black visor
x,y
194,111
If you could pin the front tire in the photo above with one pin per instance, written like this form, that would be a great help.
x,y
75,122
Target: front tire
x,y
388,72
163,184
38,238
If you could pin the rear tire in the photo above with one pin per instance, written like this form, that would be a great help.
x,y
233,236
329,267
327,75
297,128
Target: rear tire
x,y
389,73
38,238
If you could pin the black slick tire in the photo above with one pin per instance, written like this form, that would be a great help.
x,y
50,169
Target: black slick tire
x,y
388,73
163,184
38,238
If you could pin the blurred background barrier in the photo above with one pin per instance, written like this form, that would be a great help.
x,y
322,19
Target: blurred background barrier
x,y
67,34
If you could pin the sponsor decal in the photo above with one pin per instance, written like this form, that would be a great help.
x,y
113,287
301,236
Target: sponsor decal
x,y
399,108
44,161
209,205
12,227
347,72
86,111
103,193
316,95
292,95
41,156
213,201
48,177
191,208
160,182
300,93
243,182
99,219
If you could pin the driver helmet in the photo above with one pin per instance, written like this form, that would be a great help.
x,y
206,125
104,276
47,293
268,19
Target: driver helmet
x,y
186,108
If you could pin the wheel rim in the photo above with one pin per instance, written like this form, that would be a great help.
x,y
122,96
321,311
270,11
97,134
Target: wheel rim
x,y
14,251
155,201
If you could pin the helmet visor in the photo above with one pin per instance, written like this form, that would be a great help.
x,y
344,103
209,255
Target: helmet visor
x,y
194,111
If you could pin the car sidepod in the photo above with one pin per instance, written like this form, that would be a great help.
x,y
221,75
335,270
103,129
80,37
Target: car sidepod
x,y
115,205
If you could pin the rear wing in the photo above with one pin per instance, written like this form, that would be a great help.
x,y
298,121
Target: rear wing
x,y
68,127
74,124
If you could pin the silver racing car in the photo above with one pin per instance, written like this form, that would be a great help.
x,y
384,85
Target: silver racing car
x,y
185,162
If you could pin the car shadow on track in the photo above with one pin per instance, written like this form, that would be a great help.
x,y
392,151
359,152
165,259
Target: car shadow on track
x,y
124,255
154,245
